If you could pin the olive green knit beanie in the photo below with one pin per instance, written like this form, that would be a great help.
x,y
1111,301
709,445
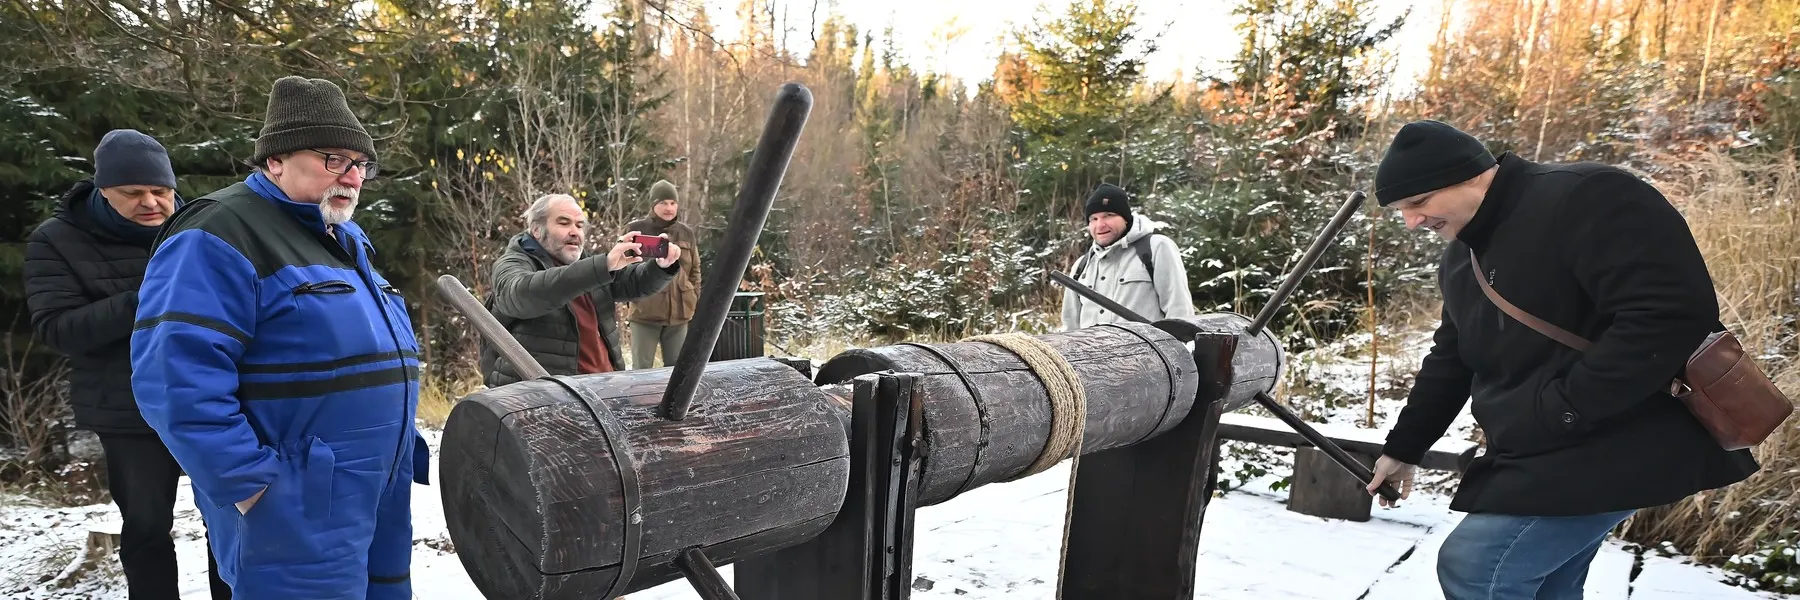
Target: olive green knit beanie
x,y
662,190
309,113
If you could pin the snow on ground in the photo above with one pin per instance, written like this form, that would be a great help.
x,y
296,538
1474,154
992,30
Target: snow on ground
x,y
998,541
1002,540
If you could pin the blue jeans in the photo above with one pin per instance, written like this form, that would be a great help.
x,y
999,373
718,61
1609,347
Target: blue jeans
x,y
1504,557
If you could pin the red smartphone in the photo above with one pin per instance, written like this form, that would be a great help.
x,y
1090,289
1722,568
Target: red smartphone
x,y
651,246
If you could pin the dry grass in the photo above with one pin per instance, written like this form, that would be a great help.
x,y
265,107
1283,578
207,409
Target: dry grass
x,y
438,394
1745,217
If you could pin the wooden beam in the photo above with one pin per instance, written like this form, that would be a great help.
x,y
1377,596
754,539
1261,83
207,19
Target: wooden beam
x,y
1445,455
1135,526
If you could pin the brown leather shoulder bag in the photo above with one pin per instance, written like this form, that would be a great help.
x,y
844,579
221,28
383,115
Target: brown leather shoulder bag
x,y
1725,389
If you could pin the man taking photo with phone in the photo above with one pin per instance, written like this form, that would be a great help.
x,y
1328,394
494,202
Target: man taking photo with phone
x,y
558,304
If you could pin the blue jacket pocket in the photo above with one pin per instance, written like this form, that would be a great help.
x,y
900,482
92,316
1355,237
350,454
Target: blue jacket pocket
x,y
320,463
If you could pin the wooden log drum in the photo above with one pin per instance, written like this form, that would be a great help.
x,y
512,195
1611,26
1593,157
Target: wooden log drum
x,y
987,416
574,487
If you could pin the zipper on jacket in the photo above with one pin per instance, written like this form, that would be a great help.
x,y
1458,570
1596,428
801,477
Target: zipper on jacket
x,y
1500,315
335,286
407,417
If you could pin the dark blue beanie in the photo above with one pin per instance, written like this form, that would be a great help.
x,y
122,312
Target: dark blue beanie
x,y
128,157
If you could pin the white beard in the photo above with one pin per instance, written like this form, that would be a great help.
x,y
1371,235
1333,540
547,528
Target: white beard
x,y
332,214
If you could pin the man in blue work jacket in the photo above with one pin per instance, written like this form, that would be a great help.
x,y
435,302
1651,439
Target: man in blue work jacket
x,y
281,369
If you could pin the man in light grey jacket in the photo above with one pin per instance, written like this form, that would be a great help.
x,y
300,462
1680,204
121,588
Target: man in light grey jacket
x,y
1129,263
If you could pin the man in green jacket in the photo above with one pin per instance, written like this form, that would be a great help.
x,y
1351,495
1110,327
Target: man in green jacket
x,y
662,318
560,305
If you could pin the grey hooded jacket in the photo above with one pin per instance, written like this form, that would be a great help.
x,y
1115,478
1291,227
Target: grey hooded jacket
x,y
1116,272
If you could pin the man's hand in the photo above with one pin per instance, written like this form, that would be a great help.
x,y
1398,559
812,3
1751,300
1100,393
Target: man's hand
x,y
674,253
624,253
244,507
1390,470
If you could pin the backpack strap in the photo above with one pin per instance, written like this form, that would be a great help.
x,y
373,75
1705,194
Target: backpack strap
x,y
1142,246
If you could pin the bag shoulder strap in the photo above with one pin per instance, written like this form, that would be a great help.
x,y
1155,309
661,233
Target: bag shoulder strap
x,y
1541,326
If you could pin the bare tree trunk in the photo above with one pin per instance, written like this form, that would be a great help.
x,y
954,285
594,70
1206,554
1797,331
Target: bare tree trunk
x,y
1531,41
1712,20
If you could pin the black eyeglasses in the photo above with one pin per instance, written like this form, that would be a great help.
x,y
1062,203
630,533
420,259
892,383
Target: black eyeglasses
x,y
339,164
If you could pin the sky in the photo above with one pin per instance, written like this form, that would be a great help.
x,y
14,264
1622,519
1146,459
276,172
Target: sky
x,y
1194,34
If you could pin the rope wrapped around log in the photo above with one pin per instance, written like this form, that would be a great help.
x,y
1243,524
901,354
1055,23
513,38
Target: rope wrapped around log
x,y
991,415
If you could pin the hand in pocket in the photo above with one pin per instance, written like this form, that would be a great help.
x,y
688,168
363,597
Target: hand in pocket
x,y
244,506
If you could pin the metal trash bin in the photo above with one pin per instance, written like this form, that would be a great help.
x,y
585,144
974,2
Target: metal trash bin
x,y
742,335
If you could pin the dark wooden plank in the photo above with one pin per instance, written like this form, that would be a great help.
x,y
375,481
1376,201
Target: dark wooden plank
x,y
1135,524
1277,434
909,466
1321,488
897,499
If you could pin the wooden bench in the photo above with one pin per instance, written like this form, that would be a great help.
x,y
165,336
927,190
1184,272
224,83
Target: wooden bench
x,y
1320,487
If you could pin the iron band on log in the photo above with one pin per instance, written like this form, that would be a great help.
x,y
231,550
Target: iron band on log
x,y
1256,360
988,416
538,483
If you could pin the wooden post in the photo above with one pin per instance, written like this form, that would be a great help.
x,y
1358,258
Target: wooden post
x,y
1321,488
866,553
1135,528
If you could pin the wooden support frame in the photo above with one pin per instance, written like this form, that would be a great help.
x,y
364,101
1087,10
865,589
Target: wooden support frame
x,y
1135,527
866,553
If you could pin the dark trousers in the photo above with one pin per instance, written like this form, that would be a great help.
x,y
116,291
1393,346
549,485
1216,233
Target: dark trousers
x,y
142,476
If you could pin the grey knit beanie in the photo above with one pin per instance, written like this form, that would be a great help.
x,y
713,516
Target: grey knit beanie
x,y
128,157
309,113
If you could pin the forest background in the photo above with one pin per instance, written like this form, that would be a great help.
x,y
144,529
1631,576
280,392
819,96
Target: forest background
x,y
925,206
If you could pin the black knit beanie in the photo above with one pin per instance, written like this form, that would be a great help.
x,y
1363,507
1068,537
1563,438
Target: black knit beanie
x,y
309,113
128,157
1109,198
1427,156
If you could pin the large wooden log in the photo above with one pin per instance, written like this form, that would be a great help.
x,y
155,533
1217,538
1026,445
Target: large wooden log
x,y
987,417
1256,361
552,493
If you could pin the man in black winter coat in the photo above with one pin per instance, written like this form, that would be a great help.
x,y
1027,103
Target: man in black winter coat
x,y
83,266
1576,441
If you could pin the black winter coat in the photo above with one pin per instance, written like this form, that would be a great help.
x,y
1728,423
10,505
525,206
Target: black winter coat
x,y
81,286
1601,253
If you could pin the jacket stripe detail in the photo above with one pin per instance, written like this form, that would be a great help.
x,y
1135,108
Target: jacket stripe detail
x,y
401,578
325,365
193,319
278,390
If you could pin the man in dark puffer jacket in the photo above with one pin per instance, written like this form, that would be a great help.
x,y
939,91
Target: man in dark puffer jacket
x,y
83,266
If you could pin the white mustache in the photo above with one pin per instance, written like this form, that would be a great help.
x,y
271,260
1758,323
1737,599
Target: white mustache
x,y
342,190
